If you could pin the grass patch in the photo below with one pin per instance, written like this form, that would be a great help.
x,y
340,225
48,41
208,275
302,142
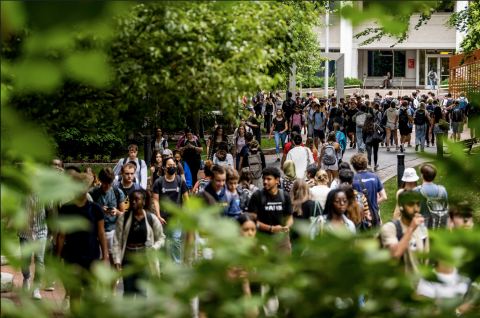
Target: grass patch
x,y
456,192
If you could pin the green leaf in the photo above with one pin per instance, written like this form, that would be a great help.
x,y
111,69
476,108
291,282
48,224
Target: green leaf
x,y
88,67
37,75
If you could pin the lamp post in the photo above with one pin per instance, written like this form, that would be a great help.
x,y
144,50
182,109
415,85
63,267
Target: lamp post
x,y
326,49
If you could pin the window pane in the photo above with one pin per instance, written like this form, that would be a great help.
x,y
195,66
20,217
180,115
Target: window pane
x,y
399,58
380,64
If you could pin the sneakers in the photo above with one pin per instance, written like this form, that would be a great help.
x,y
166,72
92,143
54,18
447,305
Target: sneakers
x,y
381,86
354,146
409,145
361,150
50,286
369,168
428,145
416,147
26,284
397,147
388,148
376,167
423,150
351,144
383,144
66,303
402,148
36,294
278,160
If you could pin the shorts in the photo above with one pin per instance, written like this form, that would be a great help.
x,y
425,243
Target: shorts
x,y
258,111
404,130
457,127
352,128
110,235
390,126
319,133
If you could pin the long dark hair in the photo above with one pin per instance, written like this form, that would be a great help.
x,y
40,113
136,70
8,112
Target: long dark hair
x,y
368,126
215,133
153,161
145,195
353,212
245,217
329,203
246,178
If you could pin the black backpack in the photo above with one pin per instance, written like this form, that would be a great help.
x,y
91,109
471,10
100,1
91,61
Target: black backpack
x,y
403,116
457,114
288,106
420,117
97,192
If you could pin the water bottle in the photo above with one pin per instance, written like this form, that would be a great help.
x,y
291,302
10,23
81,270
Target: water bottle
x,y
423,231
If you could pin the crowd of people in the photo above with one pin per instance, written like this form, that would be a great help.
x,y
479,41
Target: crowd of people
x,y
128,215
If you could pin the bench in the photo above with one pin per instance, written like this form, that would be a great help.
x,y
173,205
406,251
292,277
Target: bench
x,y
467,144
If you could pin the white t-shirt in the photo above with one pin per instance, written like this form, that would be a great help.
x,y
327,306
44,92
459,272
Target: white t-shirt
x,y
449,286
299,156
320,193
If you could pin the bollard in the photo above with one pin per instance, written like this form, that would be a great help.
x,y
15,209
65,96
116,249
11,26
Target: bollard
x,y
146,142
400,169
440,145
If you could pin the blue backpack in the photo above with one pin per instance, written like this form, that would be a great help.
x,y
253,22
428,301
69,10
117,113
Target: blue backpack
x,y
463,103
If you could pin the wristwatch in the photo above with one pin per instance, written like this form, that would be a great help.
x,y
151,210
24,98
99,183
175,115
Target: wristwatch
x,y
271,227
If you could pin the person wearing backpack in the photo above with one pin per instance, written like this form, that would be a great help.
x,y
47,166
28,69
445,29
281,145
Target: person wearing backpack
x,y
359,120
141,174
430,125
297,119
126,185
463,101
318,124
458,118
242,196
147,234
112,201
328,157
391,126
405,237
173,188
159,143
217,188
432,77
404,118
288,107
435,205
272,207
473,115
254,159
351,125
421,118
191,149
301,156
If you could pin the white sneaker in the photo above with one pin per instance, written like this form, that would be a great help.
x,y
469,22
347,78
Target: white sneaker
x,y
381,86
66,303
36,294
50,286
26,284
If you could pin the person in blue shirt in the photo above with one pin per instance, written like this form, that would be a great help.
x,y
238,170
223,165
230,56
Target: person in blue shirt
x,y
217,188
375,192
188,174
319,122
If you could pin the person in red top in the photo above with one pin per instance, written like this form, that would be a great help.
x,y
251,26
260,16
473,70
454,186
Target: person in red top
x,y
288,146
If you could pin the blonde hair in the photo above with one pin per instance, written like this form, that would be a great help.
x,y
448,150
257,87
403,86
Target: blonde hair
x,y
253,144
430,101
300,193
321,176
84,178
462,94
422,106
310,144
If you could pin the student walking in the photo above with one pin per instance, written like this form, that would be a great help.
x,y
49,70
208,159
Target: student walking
x,y
158,143
409,182
155,167
214,141
254,159
328,158
359,120
368,132
280,127
191,150
421,119
217,188
391,127
177,155
141,174
139,233
301,156
239,142
321,189
404,120
352,126
319,122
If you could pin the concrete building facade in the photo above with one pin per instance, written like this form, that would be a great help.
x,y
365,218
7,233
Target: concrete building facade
x,y
409,62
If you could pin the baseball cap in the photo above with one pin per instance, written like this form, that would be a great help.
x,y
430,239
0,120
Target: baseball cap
x,y
167,152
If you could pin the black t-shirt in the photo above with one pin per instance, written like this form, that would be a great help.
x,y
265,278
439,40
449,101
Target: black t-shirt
x,y
127,193
273,212
437,113
279,124
171,190
83,246
191,154
350,114
308,210
254,121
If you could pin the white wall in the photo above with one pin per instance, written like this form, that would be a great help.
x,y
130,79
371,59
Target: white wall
x,y
410,72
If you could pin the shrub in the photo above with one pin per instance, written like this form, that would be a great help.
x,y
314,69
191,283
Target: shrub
x,y
352,81
445,81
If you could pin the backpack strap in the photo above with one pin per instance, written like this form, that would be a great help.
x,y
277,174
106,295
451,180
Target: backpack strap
x,y
149,219
398,227
125,219
422,192
282,196
124,161
117,195
96,193
136,186
373,212
440,192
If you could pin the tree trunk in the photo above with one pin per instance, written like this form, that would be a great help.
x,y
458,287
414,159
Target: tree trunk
x,y
193,122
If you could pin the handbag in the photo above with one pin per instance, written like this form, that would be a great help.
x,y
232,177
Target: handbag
x,y
444,125
378,133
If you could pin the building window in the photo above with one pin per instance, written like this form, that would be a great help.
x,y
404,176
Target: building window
x,y
381,62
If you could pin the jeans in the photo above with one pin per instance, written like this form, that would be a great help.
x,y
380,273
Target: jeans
x,y
279,136
432,84
237,160
309,128
360,143
420,134
374,147
173,233
38,255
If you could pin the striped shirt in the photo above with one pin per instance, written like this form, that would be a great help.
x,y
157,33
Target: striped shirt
x,y
35,226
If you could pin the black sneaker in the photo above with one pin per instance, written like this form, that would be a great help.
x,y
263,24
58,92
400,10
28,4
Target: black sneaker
x,y
354,146
351,144
416,147
278,160
428,145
